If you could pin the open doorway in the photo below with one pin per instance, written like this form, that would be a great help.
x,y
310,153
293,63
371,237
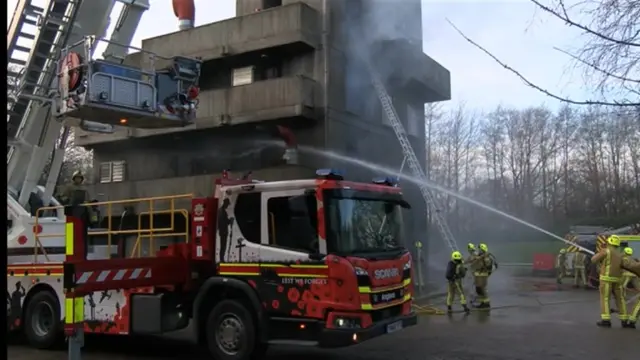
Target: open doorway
x,y
268,4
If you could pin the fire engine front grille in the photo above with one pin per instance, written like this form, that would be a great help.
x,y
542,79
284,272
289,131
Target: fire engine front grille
x,y
384,314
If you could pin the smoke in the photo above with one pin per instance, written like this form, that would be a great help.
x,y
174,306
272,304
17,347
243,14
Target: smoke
x,y
388,35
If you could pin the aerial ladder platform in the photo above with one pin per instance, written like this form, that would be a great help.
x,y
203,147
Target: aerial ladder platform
x,y
58,84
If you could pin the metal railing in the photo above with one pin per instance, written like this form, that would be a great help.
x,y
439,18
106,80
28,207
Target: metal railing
x,y
150,232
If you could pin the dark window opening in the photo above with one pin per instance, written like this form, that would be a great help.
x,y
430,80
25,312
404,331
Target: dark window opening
x,y
268,4
247,214
268,68
213,76
293,223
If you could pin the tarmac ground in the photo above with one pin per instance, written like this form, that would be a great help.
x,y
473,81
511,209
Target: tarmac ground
x,y
531,319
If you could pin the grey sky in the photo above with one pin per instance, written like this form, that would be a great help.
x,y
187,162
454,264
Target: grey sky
x,y
512,29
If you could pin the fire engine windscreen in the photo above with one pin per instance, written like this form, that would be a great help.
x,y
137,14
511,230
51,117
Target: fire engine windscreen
x,y
360,222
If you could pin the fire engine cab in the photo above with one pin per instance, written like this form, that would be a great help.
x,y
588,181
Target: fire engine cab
x,y
308,262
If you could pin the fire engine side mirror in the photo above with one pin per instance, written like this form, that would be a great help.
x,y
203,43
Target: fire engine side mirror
x,y
404,204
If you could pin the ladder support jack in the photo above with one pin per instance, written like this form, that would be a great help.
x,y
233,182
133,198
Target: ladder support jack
x,y
76,343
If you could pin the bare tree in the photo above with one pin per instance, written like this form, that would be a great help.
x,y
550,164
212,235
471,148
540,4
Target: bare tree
x,y
577,165
610,56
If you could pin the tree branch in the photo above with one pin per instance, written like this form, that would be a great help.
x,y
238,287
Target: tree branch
x,y
565,17
531,84
593,66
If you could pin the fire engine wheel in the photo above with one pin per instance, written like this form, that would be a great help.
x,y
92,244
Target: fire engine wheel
x,y
42,320
231,331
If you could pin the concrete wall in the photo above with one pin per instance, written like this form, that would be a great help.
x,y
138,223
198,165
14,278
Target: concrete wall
x,y
188,159
261,101
295,22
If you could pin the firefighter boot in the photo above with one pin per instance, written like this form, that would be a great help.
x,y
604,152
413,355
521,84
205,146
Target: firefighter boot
x,y
604,323
628,324
466,309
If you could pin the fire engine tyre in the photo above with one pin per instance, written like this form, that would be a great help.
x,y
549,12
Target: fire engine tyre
x,y
42,325
231,332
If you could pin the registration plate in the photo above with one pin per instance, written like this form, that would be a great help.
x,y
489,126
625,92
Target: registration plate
x,y
393,327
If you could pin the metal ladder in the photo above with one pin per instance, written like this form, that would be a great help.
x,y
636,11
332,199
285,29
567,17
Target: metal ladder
x,y
35,53
410,157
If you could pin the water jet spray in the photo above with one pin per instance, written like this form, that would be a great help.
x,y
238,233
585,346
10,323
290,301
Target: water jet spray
x,y
372,166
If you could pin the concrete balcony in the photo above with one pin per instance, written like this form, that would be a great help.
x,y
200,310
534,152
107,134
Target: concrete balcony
x,y
283,98
290,99
294,28
404,65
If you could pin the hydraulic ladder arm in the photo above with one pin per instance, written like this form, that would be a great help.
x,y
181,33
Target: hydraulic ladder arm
x,y
125,29
33,129
123,33
35,54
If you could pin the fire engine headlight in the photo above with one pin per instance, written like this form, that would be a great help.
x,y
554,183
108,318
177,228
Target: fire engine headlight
x,y
407,265
361,272
346,323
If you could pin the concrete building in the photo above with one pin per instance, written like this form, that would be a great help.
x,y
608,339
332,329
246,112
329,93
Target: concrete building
x,y
281,61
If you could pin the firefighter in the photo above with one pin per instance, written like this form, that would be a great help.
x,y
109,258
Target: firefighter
x,y
579,273
471,248
455,273
74,195
628,277
633,266
473,253
483,265
635,314
611,262
561,265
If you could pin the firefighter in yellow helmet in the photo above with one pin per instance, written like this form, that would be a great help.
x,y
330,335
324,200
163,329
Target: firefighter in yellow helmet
x,y
629,278
561,265
483,266
579,271
455,273
611,262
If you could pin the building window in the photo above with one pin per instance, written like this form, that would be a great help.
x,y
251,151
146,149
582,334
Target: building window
x,y
247,214
268,4
242,76
357,88
112,171
415,122
269,68
293,228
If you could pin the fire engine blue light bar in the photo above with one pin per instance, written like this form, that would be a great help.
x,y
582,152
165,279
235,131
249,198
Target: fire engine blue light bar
x,y
329,174
388,181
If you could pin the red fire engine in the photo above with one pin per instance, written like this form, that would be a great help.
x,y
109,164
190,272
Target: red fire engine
x,y
308,262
